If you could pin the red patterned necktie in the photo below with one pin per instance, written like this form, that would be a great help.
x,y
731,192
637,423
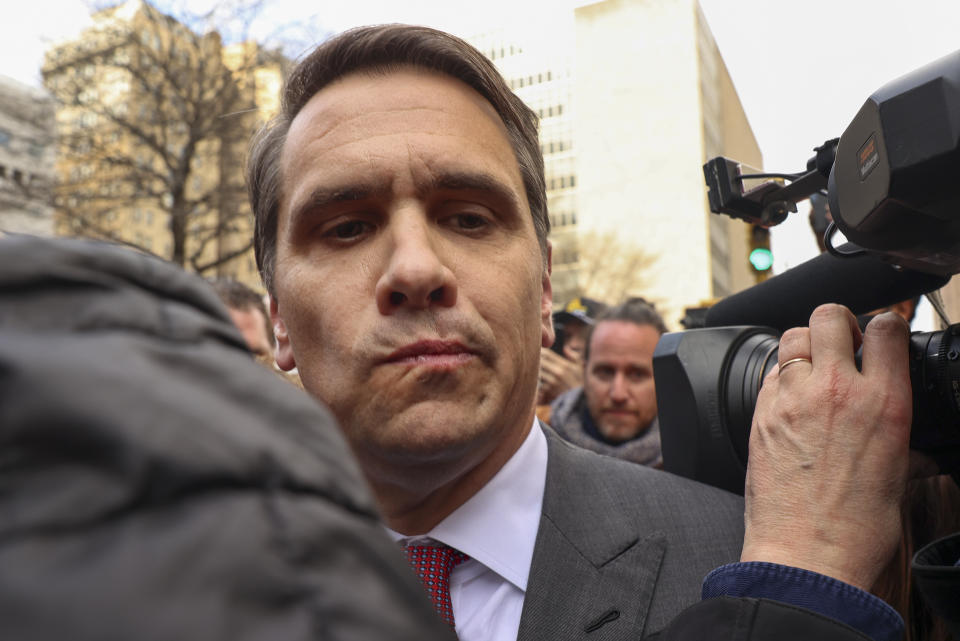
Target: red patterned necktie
x,y
433,564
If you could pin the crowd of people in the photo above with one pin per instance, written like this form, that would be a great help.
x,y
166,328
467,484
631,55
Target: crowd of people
x,y
164,486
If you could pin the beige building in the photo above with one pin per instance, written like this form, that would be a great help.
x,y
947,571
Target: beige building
x,y
539,72
634,98
26,159
154,119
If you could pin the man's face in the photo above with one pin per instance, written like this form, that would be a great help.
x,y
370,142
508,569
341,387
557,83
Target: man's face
x,y
410,289
254,328
618,381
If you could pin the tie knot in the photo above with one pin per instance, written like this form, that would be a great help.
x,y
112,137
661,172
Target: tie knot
x,y
433,564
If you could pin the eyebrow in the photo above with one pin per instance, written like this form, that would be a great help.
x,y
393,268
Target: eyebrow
x,y
322,197
325,196
473,181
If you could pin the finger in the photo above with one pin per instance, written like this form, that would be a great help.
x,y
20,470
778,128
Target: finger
x,y
834,337
794,350
547,378
548,361
548,355
886,348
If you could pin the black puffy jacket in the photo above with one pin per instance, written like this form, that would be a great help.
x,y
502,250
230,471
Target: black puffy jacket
x,y
156,483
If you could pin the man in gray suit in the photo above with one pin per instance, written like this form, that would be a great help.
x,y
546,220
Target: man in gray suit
x,y
401,232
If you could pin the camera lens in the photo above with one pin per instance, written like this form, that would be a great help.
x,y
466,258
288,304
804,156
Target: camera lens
x,y
745,370
935,378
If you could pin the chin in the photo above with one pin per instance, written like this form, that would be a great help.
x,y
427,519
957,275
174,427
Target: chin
x,y
425,431
620,433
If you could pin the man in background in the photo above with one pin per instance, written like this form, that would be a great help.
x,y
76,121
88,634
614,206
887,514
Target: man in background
x,y
615,412
249,314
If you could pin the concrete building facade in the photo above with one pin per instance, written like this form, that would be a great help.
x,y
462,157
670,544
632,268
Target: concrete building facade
x,y
634,97
652,102
540,74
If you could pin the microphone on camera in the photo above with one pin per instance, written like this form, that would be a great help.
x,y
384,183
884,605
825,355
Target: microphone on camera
x,y
863,283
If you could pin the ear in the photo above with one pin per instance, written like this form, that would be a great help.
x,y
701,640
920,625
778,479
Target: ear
x,y
284,353
546,301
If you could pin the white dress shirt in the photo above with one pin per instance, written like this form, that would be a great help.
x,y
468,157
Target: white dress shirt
x,y
497,529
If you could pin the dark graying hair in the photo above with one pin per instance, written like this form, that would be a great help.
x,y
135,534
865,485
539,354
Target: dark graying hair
x,y
637,310
385,48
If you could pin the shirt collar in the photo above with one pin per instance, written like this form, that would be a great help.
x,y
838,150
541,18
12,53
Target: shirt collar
x,y
498,525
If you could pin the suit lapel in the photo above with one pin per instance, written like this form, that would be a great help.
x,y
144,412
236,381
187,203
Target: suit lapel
x,y
593,571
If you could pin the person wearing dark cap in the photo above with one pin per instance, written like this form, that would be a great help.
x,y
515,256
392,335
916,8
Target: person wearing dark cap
x,y
561,366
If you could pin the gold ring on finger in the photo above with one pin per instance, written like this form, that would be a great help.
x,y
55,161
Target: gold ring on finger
x,y
799,359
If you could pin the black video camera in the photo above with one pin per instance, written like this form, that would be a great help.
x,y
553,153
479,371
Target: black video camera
x,y
893,184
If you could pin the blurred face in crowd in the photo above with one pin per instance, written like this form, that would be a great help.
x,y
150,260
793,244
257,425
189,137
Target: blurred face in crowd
x,y
410,290
254,328
575,340
618,378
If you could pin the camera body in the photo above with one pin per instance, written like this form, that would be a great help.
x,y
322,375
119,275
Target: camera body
x,y
892,180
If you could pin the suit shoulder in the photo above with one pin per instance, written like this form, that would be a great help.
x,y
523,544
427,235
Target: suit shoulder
x,y
573,466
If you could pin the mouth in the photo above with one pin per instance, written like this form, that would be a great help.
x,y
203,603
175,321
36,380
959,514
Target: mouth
x,y
434,354
619,412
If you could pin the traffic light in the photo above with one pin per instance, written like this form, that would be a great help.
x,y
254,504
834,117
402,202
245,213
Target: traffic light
x,y
760,257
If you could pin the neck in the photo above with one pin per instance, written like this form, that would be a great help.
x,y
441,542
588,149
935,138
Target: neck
x,y
416,499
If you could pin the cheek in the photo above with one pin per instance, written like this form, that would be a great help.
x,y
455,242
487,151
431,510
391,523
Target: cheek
x,y
595,390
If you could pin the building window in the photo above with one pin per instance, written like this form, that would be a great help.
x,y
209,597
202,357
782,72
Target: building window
x,y
18,176
5,137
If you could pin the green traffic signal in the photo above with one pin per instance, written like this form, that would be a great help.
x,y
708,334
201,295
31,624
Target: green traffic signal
x,y
761,258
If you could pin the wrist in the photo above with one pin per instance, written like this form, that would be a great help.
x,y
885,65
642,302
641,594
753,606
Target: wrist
x,y
840,564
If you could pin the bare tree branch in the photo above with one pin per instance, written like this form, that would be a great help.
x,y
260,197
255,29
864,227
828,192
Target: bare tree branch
x,y
143,129
611,268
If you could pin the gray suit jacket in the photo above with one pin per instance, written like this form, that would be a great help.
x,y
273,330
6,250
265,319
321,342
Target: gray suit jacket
x,y
621,548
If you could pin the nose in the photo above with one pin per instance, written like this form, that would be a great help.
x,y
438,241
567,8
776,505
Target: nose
x,y
416,276
618,388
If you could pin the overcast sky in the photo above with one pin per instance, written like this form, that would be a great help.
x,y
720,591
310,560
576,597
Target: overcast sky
x,y
802,69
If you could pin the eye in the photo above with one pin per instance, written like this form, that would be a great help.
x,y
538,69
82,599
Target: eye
x,y
349,230
603,372
469,221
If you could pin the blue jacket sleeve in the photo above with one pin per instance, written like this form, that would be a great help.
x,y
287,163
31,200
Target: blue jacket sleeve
x,y
802,588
